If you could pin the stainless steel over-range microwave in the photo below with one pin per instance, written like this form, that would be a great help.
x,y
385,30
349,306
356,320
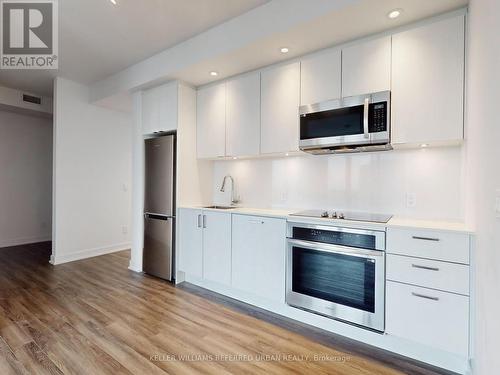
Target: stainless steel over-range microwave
x,y
351,124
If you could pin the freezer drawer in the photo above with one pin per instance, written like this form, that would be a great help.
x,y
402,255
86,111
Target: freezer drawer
x,y
158,245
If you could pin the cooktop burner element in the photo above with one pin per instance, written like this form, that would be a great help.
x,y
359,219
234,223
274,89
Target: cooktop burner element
x,y
355,216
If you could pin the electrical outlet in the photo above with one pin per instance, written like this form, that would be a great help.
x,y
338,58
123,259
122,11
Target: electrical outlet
x,y
411,200
283,196
125,229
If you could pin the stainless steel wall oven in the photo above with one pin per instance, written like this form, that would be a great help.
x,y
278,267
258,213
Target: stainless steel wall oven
x,y
337,272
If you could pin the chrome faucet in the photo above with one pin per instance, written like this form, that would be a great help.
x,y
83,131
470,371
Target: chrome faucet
x,y
223,188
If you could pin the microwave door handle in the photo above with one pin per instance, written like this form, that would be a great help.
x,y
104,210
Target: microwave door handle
x,y
365,117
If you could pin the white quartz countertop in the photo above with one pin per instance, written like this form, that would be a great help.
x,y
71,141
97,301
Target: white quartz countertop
x,y
394,222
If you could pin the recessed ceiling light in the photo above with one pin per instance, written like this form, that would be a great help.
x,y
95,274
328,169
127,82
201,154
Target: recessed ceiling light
x,y
284,50
395,13
424,145
213,73
234,158
287,154
113,1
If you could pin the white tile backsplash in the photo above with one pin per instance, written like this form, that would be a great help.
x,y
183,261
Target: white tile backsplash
x,y
375,182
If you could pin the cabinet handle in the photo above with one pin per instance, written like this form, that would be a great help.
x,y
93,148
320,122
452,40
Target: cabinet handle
x,y
425,238
199,221
425,267
204,221
424,296
256,222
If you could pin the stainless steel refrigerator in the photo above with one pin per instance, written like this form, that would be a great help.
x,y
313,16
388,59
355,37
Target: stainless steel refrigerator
x,y
159,207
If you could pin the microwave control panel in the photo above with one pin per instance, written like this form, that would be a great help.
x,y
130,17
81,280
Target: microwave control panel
x,y
377,117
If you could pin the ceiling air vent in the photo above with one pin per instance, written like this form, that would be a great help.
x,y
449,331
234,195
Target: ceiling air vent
x,y
32,99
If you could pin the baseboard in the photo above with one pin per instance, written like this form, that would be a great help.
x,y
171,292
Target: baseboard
x,y
89,253
24,241
134,267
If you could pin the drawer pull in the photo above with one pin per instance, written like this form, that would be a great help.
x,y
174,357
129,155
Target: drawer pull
x,y
424,296
425,238
425,267
256,222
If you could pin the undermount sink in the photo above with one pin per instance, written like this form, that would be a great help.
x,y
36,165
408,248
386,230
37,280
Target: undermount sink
x,y
221,207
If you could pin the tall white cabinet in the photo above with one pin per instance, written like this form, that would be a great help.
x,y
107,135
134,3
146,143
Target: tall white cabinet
x,y
243,115
211,121
280,108
366,67
428,83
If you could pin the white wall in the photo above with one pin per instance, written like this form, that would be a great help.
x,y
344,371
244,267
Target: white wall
x,y
92,175
25,179
376,182
483,133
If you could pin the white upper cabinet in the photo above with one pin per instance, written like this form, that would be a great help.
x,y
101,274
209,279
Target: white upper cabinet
x,y
160,109
211,121
320,77
428,83
366,67
280,91
243,115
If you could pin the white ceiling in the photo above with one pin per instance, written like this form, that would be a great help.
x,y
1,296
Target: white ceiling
x,y
98,39
351,22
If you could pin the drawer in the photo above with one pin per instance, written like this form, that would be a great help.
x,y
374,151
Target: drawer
x,y
430,317
449,277
446,246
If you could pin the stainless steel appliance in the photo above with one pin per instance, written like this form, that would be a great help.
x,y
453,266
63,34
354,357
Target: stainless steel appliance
x,y
345,215
337,272
159,207
351,124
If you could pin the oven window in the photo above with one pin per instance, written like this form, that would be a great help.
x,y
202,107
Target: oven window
x,y
333,123
343,279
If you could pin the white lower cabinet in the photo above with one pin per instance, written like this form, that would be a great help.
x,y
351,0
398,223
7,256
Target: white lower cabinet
x,y
204,244
217,247
190,241
430,317
258,259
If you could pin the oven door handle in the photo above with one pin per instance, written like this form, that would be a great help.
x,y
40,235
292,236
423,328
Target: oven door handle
x,y
335,249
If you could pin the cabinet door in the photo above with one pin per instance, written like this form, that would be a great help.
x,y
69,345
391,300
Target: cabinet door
x,y
428,83
428,316
189,243
217,247
280,108
168,95
258,260
211,121
243,115
320,77
150,111
366,67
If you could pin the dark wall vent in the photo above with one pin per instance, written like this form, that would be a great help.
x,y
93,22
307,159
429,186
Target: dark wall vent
x,y
32,99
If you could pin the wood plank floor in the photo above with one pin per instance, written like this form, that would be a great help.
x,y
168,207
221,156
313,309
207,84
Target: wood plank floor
x,y
96,317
